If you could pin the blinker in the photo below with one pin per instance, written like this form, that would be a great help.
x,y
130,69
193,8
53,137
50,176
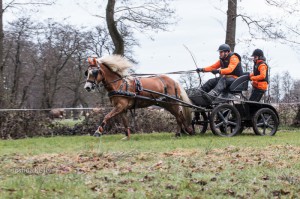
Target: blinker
x,y
95,73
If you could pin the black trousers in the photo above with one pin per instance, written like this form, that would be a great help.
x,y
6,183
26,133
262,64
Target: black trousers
x,y
256,95
218,84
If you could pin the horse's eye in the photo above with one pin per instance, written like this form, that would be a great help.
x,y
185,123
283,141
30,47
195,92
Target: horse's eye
x,y
86,73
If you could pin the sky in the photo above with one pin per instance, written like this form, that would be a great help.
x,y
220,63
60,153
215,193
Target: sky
x,y
201,28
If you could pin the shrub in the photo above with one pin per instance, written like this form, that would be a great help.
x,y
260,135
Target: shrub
x,y
23,124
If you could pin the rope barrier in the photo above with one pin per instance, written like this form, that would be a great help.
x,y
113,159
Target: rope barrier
x,y
90,108
47,109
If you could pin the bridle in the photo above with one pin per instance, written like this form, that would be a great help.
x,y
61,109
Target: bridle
x,y
96,69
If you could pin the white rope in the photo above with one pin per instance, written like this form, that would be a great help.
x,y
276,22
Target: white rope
x,y
45,109
91,108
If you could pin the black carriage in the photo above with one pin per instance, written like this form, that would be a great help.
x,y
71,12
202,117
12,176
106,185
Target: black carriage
x,y
230,113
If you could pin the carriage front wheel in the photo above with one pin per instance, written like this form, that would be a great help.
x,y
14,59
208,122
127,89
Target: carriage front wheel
x,y
225,120
265,122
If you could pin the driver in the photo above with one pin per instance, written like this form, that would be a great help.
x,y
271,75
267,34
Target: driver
x,y
228,66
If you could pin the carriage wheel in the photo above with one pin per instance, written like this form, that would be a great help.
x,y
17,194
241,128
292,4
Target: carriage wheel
x,y
265,122
240,131
200,121
225,120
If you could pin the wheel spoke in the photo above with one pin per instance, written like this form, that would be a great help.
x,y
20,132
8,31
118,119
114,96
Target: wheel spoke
x,y
270,126
232,123
225,130
260,124
267,120
228,114
262,116
218,125
221,116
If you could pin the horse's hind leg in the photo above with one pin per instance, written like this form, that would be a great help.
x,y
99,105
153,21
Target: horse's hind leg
x,y
177,112
125,123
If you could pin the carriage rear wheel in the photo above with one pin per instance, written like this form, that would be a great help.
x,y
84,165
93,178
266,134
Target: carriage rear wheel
x,y
225,120
265,122
200,122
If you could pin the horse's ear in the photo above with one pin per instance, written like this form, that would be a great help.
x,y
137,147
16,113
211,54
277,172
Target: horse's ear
x,y
90,61
95,61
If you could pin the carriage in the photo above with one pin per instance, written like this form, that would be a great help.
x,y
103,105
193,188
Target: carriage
x,y
228,115
231,113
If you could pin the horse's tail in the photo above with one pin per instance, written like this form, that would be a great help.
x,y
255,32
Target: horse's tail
x,y
187,111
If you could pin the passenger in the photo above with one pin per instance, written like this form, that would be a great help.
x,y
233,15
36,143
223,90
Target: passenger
x,y
259,77
229,67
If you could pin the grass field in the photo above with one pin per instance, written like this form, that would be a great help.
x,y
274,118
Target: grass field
x,y
152,166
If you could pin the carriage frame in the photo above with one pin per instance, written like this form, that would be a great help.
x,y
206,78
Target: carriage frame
x,y
230,113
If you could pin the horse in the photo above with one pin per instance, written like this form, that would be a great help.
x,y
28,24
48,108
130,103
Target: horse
x,y
127,92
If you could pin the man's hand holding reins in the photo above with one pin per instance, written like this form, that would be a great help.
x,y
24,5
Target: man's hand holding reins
x,y
198,70
215,71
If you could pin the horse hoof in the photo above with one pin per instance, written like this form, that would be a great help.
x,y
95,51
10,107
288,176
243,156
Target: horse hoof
x,y
177,135
125,138
97,134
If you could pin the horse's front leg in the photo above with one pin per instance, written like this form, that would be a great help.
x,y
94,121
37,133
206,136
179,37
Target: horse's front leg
x,y
115,111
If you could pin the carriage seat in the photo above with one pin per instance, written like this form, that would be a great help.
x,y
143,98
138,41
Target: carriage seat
x,y
240,84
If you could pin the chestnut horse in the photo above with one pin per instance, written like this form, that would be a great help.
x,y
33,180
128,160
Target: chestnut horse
x,y
127,92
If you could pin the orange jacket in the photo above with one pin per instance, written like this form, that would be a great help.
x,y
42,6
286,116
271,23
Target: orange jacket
x,y
233,62
257,80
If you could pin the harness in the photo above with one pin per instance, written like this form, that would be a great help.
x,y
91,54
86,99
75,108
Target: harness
x,y
123,89
95,73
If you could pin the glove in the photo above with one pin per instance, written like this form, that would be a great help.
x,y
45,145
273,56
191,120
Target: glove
x,y
198,70
216,71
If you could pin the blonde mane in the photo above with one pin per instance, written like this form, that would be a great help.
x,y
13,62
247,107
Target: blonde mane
x,y
116,63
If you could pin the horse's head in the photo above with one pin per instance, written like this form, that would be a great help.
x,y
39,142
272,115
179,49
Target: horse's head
x,y
94,75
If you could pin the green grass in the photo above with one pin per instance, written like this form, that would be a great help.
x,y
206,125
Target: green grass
x,y
142,142
68,122
151,166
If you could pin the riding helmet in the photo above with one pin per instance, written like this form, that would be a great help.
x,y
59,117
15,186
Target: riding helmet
x,y
258,53
224,47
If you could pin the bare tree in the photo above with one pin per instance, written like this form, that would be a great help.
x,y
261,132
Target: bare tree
x,y
287,83
275,88
19,52
62,41
231,23
189,80
295,92
133,15
280,28
13,5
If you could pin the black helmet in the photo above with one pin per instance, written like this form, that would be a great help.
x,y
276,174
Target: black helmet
x,y
258,53
224,47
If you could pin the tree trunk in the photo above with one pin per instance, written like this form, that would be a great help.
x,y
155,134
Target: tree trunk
x,y
112,28
231,23
1,57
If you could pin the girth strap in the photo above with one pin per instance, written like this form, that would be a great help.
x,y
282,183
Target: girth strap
x,y
176,91
165,87
138,85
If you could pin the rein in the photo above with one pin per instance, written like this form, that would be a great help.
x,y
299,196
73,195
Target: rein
x,y
169,73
